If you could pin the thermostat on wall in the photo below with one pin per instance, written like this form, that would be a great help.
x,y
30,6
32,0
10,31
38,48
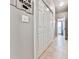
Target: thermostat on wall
x,y
25,18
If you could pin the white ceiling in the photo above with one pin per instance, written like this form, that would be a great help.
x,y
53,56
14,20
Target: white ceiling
x,y
61,5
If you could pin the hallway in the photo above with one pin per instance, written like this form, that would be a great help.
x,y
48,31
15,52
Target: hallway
x,y
58,49
33,26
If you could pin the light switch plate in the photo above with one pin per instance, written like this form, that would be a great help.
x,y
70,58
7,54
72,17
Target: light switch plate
x,y
25,19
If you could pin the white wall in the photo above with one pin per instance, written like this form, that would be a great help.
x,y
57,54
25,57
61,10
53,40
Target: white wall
x,y
21,35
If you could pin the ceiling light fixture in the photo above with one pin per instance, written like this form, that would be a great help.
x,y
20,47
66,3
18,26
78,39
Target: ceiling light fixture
x,y
61,4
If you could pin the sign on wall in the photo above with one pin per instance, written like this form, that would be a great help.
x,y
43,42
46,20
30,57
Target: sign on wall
x,y
26,5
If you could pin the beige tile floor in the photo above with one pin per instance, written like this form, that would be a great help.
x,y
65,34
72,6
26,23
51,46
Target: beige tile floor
x,y
58,49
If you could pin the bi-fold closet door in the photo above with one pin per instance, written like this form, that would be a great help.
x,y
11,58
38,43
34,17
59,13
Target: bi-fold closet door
x,y
44,26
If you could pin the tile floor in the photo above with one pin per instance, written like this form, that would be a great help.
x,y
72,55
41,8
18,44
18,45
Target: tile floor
x,y
58,49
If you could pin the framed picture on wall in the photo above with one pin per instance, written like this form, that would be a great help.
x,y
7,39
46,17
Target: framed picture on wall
x,y
25,5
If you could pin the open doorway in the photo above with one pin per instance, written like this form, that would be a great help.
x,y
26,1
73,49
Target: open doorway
x,y
61,27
